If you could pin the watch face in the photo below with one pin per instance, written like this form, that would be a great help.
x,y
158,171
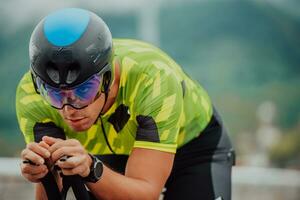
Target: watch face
x,y
98,169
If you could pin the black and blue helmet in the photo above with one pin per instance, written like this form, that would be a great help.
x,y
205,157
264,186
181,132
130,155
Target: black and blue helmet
x,y
69,46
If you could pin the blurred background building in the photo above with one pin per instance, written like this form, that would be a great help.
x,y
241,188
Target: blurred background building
x,y
246,53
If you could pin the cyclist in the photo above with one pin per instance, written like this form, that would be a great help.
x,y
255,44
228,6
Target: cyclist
x,y
134,122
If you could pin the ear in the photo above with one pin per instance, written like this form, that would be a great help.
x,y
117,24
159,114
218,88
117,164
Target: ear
x,y
106,82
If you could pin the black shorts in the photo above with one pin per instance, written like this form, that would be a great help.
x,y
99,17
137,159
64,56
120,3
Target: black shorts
x,y
202,167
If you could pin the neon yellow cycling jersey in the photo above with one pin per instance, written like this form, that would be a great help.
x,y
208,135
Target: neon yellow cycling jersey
x,y
157,107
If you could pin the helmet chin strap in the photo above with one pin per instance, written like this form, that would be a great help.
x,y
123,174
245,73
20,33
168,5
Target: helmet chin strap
x,y
105,87
105,101
102,126
100,117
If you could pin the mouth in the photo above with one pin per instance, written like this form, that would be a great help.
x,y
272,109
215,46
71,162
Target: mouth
x,y
75,120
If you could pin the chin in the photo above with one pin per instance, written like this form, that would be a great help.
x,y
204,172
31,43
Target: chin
x,y
80,127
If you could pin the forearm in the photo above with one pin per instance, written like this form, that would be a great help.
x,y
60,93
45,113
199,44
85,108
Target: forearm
x,y
40,193
116,186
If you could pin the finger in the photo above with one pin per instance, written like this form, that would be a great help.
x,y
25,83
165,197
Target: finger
x,y
80,170
39,176
35,178
63,143
33,169
71,162
36,148
50,140
44,144
32,156
65,150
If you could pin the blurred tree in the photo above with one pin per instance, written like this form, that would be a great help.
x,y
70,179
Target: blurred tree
x,y
286,153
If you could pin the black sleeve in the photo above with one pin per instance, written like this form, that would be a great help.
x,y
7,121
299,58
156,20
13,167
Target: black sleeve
x,y
47,129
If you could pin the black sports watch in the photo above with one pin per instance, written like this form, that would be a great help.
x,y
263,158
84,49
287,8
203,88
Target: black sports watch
x,y
96,170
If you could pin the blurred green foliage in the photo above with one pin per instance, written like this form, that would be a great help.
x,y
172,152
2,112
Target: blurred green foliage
x,y
286,152
241,51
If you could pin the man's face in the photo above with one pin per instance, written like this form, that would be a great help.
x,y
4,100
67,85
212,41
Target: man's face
x,y
82,119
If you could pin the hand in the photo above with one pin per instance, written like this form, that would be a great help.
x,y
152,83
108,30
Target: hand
x,y
34,166
78,161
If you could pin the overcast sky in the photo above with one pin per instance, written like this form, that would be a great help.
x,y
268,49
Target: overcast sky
x,y
18,13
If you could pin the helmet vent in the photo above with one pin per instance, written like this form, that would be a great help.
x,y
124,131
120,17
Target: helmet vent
x,y
52,72
72,74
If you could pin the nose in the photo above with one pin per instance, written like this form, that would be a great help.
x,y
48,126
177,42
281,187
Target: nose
x,y
68,98
68,110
